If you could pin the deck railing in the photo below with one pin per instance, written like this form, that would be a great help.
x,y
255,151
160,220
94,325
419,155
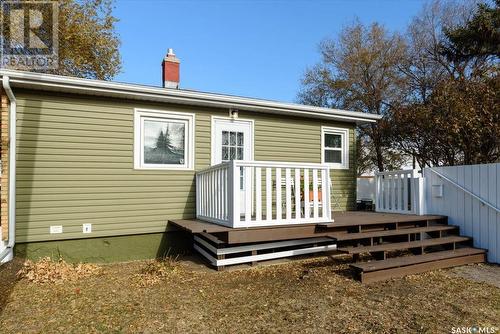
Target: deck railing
x,y
257,193
399,192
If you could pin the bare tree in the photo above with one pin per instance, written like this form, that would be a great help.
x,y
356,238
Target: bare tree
x,y
360,71
450,115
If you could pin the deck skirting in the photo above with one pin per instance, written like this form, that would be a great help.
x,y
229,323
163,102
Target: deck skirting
x,y
220,256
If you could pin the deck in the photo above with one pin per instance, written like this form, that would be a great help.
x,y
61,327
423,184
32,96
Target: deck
x,y
433,243
283,232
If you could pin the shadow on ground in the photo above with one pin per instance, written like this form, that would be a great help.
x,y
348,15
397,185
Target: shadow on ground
x,y
8,280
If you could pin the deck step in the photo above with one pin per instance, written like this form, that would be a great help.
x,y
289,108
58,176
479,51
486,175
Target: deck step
x,y
342,236
374,271
382,219
404,245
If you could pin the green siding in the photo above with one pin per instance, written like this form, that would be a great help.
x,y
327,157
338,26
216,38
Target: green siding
x,y
75,165
108,249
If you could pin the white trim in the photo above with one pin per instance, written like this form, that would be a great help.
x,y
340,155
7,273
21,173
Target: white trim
x,y
188,118
7,253
262,257
267,245
59,83
344,132
233,124
213,147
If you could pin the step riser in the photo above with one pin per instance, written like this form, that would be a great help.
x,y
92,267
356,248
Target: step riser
x,y
380,226
382,255
370,241
381,275
453,240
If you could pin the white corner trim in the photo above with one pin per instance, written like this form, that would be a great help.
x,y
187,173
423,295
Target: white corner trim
x,y
344,132
188,118
214,119
7,253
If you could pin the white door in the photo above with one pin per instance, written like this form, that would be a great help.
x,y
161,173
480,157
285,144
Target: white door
x,y
233,140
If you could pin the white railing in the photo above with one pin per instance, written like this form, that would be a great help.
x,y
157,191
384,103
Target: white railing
x,y
399,192
257,193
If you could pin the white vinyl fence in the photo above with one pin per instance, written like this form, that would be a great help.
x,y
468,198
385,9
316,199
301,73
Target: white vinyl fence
x,y
470,197
399,192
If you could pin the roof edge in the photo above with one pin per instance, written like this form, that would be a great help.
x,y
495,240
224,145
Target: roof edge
x,y
52,82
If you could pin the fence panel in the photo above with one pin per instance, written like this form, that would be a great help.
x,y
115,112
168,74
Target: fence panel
x,y
470,197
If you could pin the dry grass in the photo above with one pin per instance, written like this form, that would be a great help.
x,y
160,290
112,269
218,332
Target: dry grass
x,y
156,271
307,296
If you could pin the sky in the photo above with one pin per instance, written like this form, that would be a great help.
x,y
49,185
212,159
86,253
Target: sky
x,y
257,49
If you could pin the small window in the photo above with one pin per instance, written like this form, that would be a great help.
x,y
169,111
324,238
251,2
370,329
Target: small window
x,y
232,145
335,147
163,140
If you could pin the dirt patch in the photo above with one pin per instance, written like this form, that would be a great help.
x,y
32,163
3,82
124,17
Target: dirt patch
x,y
307,296
480,273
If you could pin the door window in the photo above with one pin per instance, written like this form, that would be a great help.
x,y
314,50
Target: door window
x,y
232,149
232,145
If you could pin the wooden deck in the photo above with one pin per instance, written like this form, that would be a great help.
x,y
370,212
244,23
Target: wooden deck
x,y
341,219
433,243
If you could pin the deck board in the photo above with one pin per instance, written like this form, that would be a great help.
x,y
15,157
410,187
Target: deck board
x,y
341,219
199,226
416,259
349,218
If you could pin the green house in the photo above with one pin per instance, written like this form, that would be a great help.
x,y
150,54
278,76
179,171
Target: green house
x,y
94,170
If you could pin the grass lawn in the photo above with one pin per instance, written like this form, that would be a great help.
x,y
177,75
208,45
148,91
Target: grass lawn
x,y
308,296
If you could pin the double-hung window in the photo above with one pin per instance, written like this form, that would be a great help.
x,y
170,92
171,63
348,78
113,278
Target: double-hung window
x,y
335,147
163,140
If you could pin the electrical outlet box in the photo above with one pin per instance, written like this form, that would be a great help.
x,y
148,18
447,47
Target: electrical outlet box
x,y
56,229
437,190
87,228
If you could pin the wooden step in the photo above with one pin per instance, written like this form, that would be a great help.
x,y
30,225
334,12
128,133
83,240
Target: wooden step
x,y
341,236
408,260
403,245
374,271
380,219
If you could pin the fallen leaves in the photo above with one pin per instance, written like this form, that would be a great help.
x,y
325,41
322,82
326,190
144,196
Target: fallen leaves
x,y
48,271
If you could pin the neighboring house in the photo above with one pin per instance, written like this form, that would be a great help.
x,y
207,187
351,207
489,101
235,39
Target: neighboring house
x,y
100,167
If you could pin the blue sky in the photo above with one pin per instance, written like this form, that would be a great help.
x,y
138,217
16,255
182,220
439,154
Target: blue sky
x,y
250,48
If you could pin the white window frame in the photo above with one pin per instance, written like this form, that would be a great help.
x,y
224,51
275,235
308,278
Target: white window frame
x,y
344,133
140,115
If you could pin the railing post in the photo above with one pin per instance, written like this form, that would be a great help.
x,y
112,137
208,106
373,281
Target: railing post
x,y
420,208
327,207
234,199
197,190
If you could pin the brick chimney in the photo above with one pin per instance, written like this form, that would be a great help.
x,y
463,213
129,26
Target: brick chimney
x,y
170,66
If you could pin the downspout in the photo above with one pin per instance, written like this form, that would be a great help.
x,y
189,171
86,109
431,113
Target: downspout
x,y
8,253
